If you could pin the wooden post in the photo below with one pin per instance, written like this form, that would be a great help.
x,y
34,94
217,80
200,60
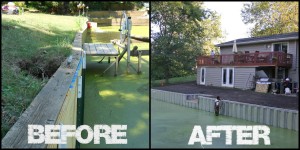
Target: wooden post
x,y
128,41
276,72
116,65
139,62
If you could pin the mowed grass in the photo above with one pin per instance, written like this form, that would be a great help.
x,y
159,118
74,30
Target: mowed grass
x,y
174,80
136,30
25,37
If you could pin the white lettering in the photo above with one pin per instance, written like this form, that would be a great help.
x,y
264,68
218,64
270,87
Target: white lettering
x,y
246,135
57,134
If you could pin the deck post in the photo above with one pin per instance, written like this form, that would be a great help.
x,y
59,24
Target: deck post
x,y
116,65
276,72
128,41
139,62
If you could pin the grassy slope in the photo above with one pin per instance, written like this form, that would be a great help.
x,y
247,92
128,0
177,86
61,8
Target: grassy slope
x,y
24,37
175,80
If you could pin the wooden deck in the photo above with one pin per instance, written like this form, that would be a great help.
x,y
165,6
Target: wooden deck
x,y
279,59
106,49
103,49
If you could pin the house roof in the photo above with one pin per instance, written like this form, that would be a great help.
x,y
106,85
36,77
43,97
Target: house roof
x,y
262,39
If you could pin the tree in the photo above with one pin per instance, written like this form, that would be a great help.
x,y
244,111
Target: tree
x,y
180,37
212,33
271,17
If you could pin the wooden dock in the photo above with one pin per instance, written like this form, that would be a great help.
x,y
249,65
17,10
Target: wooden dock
x,y
95,49
103,49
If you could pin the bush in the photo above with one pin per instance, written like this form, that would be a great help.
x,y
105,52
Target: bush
x,y
65,7
20,4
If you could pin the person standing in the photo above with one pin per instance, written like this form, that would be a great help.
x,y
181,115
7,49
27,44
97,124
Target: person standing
x,y
212,55
217,105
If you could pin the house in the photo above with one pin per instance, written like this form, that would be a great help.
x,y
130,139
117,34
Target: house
x,y
276,55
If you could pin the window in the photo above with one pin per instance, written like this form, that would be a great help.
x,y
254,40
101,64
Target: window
x,y
280,47
227,77
202,76
224,76
230,76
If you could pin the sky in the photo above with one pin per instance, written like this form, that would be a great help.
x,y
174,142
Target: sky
x,y
231,20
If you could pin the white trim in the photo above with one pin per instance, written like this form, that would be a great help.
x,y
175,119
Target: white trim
x,y
227,77
204,69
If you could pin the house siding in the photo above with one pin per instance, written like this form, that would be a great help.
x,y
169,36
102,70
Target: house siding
x,y
213,76
261,47
243,77
294,70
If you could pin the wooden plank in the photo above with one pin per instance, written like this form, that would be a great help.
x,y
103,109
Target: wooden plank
x,y
89,53
99,49
85,46
105,49
92,49
112,49
88,49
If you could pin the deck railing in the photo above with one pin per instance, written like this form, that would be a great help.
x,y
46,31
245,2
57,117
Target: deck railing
x,y
248,59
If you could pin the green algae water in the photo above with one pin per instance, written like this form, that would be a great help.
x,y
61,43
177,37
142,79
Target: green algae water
x,y
120,100
172,125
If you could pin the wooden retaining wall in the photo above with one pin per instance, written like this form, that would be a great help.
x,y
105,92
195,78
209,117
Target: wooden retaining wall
x,y
55,104
113,18
276,117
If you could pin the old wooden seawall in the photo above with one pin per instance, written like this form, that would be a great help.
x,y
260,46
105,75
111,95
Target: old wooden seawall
x,y
55,104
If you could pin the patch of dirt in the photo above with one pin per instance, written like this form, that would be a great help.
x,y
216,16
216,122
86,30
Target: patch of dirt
x,y
233,94
40,66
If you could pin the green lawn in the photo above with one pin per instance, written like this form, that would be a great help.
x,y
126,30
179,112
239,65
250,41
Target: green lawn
x,y
136,30
175,80
39,40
